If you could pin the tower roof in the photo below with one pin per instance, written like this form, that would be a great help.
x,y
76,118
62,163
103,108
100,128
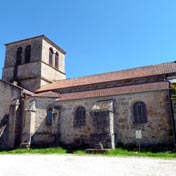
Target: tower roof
x,y
42,37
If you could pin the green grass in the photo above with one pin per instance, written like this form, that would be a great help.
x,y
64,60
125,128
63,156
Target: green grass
x,y
57,150
124,152
116,152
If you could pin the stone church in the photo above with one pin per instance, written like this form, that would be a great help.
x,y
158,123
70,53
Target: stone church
x,y
40,107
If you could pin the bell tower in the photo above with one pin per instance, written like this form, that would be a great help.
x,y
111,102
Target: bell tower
x,y
34,62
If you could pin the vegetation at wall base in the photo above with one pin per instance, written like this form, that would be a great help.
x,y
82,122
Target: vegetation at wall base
x,y
143,153
52,150
115,152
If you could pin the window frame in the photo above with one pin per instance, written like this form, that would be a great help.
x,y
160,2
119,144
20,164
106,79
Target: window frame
x,y
51,52
28,54
80,117
57,60
19,56
49,117
140,112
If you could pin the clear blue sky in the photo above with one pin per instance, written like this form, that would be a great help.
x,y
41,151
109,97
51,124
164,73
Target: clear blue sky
x,y
98,35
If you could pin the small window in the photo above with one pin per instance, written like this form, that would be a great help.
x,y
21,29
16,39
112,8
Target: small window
x,y
28,54
56,60
80,117
139,112
51,56
49,116
19,56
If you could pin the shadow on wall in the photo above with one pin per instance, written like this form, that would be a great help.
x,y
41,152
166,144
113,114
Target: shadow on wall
x,y
4,131
43,136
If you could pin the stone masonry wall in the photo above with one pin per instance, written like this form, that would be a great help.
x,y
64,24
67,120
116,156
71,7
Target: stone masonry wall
x,y
50,73
37,72
156,131
33,68
10,58
8,93
45,55
158,128
42,133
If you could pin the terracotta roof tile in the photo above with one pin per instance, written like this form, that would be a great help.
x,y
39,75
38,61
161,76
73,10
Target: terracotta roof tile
x,y
165,68
48,94
114,91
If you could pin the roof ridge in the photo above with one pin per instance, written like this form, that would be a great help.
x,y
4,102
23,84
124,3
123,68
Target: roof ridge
x,y
114,91
50,94
87,76
39,36
138,72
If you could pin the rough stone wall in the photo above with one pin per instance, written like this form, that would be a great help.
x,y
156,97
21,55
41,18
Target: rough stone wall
x,y
7,74
68,133
51,74
10,57
158,128
156,131
29,75
31,84
41,133
7,94
103,130
45,55
29,71
38,72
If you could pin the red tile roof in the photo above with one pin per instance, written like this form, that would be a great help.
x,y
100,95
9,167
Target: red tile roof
x,y
159,69
48,94
114,91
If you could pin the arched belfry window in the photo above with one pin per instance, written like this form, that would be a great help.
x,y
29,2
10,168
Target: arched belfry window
x,y
19,56
28,54
139,112
80,117
51,56
49,116
56,60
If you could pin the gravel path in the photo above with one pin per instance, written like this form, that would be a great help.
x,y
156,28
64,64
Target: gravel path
x,y
71,165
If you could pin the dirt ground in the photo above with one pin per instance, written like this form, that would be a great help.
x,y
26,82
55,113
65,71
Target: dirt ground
x,y
72,165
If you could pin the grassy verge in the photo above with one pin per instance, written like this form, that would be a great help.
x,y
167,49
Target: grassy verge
x,y
56,150
123,152
116,152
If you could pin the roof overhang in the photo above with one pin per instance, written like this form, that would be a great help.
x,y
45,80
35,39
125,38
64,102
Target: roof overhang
x,y
103,106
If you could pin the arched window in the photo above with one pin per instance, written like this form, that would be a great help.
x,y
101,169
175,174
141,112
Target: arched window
x,y
139,112
19,56
80,117
56,60
49,116
28,54
51,56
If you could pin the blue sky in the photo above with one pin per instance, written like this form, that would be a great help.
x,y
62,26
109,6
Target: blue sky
x,y
98,35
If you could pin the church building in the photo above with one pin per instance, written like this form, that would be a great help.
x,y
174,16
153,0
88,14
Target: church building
x,y
40,107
